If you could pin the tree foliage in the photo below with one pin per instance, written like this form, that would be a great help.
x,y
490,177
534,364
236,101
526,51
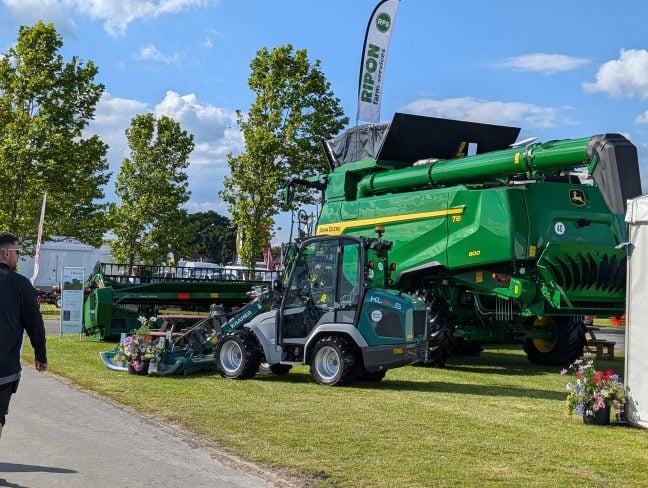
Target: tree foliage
x,y
293,111
152,187
45,104
212,237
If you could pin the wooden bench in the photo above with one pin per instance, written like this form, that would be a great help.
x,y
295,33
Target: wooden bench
x,y
602,348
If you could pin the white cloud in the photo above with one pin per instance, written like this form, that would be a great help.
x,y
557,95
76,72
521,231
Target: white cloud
x,y
215,135
642,118
151,53
211,38
542,62
28,12
116,15
214,128
493,112
112,118
626,76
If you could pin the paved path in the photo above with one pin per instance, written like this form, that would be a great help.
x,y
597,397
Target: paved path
x,y
58,436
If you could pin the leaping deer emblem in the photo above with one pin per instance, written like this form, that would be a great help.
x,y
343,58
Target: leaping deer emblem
x,y
577,197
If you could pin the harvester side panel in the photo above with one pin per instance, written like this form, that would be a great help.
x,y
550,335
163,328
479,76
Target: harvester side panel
x,y
417,222
570,213
493,227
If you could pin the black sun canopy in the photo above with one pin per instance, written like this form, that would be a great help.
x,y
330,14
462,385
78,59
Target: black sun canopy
x,y
410,138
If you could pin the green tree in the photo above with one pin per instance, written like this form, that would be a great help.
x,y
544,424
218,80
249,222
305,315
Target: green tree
x,y
152,187
212,237
45,104
293,111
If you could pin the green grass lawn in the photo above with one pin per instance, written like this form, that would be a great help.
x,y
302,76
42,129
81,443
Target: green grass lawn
x,y
494,420
49,311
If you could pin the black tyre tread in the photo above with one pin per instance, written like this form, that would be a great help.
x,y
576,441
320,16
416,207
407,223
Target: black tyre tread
x,y
265,368
251,355
440,330
570,341
347,355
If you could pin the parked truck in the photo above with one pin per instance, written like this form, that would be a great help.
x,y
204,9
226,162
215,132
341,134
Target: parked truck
x,y
504,240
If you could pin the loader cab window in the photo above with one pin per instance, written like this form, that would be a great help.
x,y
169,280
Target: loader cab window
x,y
350,286
323,287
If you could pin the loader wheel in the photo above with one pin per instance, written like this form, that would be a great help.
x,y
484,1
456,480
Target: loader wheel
x,y
440,330
333,361
564,349
238,356
265,368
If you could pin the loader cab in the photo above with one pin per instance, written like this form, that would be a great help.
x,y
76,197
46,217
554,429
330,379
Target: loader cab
x,y
325,285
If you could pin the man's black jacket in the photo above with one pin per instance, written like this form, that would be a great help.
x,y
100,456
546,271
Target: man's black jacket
x,y
18,311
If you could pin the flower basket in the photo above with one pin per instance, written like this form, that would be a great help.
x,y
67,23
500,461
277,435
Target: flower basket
x,y
594,394
139,368
139,348
600,417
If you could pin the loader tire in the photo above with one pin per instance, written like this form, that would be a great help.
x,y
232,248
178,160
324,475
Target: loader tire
x,y
569,333
334,361
440,330
238,356
265,368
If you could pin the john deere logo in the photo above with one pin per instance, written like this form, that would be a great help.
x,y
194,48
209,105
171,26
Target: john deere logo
x,y
383,22
577,197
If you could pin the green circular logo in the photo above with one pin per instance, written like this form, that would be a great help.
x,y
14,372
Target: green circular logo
x,y
383,22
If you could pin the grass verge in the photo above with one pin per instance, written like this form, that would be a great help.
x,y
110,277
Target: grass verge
x,y
494,420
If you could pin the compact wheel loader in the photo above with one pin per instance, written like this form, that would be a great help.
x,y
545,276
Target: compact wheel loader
x,y
334,313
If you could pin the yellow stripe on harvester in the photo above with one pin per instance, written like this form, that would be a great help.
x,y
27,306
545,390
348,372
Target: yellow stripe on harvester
x,y
338,228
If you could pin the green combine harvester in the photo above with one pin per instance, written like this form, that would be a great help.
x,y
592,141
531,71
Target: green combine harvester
x,y
116,298
505,241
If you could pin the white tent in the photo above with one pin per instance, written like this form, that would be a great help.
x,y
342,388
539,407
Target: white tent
x,y
636,359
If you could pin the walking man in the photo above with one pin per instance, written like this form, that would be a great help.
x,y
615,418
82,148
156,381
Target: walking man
x,y
18,312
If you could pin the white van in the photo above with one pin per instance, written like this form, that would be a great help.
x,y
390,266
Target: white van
x,y
261,272
202,270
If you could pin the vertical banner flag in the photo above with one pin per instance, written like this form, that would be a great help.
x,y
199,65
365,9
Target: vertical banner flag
x,y
374,59
38,241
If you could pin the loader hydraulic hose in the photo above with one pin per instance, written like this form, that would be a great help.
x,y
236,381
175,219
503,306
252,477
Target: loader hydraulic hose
x,y
546,157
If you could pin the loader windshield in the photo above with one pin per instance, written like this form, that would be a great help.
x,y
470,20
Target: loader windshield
x,y
324,286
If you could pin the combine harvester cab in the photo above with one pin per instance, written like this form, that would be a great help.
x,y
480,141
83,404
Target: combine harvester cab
x,y
505,241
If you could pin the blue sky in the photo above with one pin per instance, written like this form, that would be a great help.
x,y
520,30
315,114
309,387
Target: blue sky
x,y
556,69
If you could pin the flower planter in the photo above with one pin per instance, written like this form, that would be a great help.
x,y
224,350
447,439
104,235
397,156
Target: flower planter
x,y
141,372
599,417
